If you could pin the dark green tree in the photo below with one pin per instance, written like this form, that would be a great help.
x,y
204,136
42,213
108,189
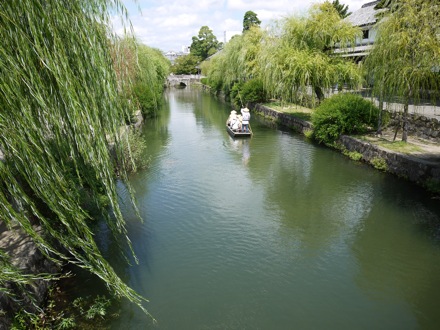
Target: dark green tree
x,y
205,43
250,19
186,64
384,4
341,8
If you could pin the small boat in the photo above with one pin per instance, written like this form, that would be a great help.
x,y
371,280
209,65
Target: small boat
x,y
238,133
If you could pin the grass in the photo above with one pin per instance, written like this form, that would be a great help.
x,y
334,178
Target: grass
x,y
400,146
379,163
397,146
290,108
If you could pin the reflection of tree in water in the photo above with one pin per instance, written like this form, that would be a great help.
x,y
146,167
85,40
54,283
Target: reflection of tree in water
x,y
397,259
318,195
246,152
241,146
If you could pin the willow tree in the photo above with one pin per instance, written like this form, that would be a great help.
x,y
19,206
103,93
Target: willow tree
x,y
300,54
144,71
405,59
59,111
238,60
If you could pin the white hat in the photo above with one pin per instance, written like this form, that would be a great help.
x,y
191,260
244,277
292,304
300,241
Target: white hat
x,y
233,111
245,109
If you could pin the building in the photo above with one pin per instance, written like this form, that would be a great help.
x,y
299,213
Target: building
x,y
366,19
172,55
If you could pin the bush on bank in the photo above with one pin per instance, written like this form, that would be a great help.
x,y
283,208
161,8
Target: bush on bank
x,y
343,114
251,91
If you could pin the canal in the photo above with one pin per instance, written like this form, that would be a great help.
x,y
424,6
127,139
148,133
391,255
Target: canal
x,y
272,232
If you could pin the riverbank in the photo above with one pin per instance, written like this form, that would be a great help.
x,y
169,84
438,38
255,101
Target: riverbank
x,y
417,161
26,257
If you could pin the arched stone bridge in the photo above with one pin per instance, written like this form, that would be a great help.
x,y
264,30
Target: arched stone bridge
x,y
183,80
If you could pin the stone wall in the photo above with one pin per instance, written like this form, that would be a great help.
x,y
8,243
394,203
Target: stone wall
x,y
27,257
415,169
418,125
283,119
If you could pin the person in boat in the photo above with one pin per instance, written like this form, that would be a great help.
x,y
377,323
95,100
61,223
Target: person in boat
x,y
246,117
237,123
232,117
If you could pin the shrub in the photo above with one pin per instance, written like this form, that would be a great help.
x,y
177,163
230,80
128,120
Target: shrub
x,y
235,94
353,155
147,98
379,163
343,114
250,91
308,133
253,92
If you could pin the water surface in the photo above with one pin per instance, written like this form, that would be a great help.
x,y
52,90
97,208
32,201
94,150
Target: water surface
x,y
272,232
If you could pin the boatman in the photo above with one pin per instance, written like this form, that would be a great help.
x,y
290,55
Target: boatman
x,y
246,117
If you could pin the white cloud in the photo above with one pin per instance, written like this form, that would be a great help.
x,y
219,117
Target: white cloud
x,y
169,25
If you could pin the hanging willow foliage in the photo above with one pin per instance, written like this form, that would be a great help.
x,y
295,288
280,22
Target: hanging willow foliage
x,y
238,61
59,108
295,54
405,59
299,53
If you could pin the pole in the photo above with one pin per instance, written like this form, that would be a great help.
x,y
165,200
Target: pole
x,y
240,99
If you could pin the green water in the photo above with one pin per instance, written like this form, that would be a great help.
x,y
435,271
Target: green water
x,y
272,232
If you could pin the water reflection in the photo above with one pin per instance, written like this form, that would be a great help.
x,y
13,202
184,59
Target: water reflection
x,y
397,266
241,146
273,232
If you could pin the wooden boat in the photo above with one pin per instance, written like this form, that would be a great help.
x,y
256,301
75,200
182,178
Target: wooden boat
x,y
237,133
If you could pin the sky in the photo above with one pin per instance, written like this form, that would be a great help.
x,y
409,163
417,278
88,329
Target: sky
x,y
170,25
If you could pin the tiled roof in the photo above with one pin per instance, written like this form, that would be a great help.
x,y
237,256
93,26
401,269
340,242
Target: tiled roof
x,y
366,15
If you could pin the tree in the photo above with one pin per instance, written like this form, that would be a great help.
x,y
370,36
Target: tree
x,y
384,4
341,8
250,19
144,72
153,68
59,110
404,60
186,64
300,54
205,44
237,62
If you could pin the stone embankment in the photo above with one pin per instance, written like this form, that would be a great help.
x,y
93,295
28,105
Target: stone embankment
x,y
26,257
284,119
419,125
421,167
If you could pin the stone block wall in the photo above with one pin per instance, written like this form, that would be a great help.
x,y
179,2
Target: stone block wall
x,y
25,256
284,119
419,125
414,169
